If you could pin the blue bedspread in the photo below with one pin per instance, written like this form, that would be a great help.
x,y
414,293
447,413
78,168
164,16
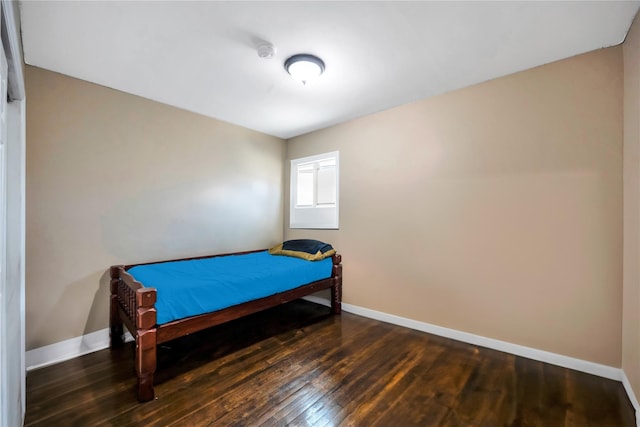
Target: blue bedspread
x,y
189,288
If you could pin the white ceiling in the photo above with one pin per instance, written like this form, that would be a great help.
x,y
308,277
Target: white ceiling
x,y
201,56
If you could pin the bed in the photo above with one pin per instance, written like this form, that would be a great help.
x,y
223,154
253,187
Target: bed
x,y
161,301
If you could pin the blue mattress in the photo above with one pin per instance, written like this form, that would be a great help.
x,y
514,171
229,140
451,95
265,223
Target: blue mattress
x,y
189,288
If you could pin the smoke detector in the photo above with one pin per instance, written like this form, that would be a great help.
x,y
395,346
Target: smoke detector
x,y
266,50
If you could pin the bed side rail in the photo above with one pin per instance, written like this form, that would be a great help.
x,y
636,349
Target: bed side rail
x,y
127,267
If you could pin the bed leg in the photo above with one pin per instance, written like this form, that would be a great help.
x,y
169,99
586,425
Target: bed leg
x,y
146,363
336,290
336,305
115,322
116,331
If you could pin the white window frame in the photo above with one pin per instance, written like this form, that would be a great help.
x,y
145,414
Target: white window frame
x,y
314,216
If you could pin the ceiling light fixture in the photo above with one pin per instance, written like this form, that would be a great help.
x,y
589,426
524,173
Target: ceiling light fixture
x,y
304,67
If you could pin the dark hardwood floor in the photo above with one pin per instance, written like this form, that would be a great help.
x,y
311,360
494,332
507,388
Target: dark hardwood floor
x,y
297,365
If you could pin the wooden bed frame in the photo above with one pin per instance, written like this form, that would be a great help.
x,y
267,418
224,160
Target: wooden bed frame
x,y
133,306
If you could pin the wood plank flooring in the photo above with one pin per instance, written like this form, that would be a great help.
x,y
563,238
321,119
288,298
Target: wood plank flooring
x,y
296,365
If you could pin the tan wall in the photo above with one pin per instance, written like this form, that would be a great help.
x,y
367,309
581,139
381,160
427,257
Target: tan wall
x,y
495,209
115,178
631,282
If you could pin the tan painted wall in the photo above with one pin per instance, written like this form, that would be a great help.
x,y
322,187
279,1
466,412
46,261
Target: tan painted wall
x,y
631,282
115,178
495,209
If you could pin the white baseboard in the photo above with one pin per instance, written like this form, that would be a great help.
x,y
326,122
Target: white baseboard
x,y
74,347
519,350
632,397
68,349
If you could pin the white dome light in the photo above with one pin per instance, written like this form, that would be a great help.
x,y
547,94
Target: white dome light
x,y
304,67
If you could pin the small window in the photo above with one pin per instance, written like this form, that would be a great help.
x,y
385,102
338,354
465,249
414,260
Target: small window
x,y
314,191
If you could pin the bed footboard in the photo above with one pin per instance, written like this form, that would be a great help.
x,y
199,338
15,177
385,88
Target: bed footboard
x,y
133,306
